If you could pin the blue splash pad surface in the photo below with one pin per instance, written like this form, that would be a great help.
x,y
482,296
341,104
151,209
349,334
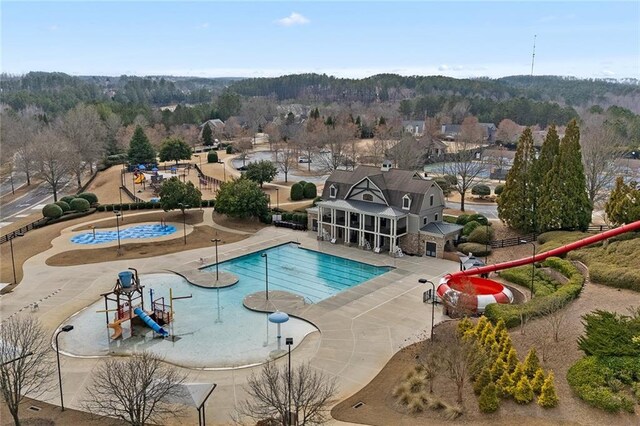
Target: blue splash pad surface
x,y
133,232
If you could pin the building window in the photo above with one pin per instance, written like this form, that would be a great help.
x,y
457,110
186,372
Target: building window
x,y
367,197
436,219
431,200
424,220
406,202
333,192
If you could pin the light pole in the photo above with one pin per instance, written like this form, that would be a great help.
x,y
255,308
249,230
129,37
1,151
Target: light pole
x,y
13,262
277,199
184,207
120,193
266,273
118,214
224,170
289,342
433,301
533,261
65,329
486,246
216,241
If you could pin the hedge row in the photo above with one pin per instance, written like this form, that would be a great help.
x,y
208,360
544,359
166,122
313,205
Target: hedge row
x,y
542,305
300,218
542,283
598,381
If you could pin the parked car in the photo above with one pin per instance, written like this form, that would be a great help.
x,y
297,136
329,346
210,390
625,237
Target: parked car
x,y
304,159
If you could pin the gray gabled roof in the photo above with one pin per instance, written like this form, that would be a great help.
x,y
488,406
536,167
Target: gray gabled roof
x,y
441,228
364,207
394,184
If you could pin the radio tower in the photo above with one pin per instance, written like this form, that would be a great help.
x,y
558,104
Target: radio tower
x,y
533,56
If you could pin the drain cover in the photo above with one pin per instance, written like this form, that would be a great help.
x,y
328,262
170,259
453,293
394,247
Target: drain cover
x,y
358,405
34,408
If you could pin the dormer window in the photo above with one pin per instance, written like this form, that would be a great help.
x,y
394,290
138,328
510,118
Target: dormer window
x,y
367,197
333,191
431,200
406,202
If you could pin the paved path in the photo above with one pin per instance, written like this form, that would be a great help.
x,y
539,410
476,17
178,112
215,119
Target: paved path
x,y
359,329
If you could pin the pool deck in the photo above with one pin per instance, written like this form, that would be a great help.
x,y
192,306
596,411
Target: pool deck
x,y
360,328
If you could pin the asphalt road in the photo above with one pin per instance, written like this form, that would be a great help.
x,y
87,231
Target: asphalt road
x,y
30,202
488,210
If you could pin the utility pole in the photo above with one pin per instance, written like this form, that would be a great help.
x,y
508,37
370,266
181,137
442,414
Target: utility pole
x,y
533,56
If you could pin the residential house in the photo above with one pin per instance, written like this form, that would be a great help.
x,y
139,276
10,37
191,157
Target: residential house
x,y
415,127
385,210
451,131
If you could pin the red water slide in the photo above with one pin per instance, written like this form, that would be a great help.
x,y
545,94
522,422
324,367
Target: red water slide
x,y
634,226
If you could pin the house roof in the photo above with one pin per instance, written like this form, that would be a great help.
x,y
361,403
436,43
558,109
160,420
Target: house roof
x,y
394,184
441,228
364,207
216,123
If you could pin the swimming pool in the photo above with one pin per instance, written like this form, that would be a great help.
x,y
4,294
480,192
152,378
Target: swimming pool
x,y
132,232
213,329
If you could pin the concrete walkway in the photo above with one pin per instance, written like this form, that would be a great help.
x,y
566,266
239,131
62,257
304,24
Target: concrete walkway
x,y
359,329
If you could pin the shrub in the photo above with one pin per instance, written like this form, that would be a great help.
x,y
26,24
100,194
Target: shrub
x,y
531,363
462,219
310,190
212,157
523,393
469,227
489,401
475,248
101,208
482,381
64,206
505,384
481,235
229,149
108,207
481,190
89,196
444,185
498,189
480,218
538,381
449,219
52,211
297,192
79,205
67,199
453,180
303,183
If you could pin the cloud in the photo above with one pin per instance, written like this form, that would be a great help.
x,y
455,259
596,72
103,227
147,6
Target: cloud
x,y
294,19
443,67
607,73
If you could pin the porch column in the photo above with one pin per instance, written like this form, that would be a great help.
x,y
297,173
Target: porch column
x,y
347,226
333,223
376,230
320,212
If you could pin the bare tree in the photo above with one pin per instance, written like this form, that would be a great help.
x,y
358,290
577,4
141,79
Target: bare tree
x,y
600,147
25,363
17,139
459,360
273,133
466,168
470,131
508,131
285,159
311,392
554,314
85,132
255,110
138,390
54,158
243,146
310,138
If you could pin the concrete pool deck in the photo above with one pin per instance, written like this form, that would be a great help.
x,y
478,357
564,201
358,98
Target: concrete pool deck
x,y
360,328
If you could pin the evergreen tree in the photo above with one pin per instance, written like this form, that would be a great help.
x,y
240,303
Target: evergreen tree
x,y
523,393
207,135
564,204
489,401
515,204
548,153
538,381
498,368
483,379
505,384
623,205
531,363
174,149
548,396
512,360
176,195
241,198
261,171
464,325
140,149
518,372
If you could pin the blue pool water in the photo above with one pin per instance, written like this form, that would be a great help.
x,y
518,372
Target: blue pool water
x,y
213,329
133,232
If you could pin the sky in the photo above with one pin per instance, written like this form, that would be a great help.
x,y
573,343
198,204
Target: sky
x,y
585,39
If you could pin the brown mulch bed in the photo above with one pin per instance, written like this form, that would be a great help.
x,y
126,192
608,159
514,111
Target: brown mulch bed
x,y
381,408
51,415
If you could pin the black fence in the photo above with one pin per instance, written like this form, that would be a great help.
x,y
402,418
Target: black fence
x,y
22,230
515,241
291,225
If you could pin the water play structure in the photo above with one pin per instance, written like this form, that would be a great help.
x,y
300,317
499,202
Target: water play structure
x,y
129,301
464,288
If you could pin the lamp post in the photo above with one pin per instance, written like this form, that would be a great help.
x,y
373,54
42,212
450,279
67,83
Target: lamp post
x,y
184,207
120,193
266,273
216,241
289,342
433,301
277,198
224,170
533,259
118,214
486,245
13,262
65,329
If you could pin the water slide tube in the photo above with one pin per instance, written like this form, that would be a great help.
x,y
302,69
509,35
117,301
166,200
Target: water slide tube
x,y
451,286
151,323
